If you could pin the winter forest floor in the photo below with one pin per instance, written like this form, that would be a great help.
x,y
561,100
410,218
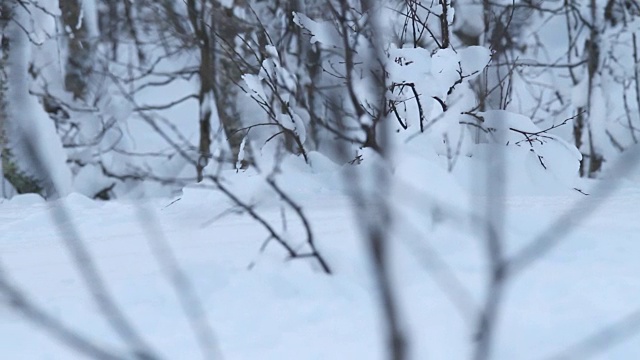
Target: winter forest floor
x,y
262,306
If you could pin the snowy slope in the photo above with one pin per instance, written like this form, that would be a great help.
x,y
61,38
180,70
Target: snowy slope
x,y
289,309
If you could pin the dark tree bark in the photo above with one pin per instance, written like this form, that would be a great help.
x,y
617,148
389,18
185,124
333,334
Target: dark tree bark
x,y
80,49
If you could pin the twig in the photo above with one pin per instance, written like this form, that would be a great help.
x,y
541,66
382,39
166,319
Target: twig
x,y
307,226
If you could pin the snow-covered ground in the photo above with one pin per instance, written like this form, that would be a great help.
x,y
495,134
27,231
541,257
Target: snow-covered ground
x,y
262,306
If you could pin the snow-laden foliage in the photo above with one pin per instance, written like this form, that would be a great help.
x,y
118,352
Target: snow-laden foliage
x,y
297,77
429,104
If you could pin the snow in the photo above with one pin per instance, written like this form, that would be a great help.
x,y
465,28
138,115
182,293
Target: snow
x,y
261,305
89,16
473,60
471,20
40,154
322,31
227,3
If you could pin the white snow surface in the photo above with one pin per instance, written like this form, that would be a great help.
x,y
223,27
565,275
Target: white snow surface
x,y
263,306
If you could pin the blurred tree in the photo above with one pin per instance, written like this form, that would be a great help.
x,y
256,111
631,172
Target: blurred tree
x,y
80,47
12,178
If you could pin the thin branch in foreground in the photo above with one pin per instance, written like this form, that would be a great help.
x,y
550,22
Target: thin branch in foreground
x,y
605,338
97,286
494,213
441,272
186,294
17,301
372,208
548,239
90,274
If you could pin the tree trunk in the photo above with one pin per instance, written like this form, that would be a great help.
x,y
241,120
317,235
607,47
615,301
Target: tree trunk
x,y
226,80
79,48
592,163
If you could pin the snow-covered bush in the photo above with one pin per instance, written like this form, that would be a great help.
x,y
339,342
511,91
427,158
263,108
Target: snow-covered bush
x,y
383,88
